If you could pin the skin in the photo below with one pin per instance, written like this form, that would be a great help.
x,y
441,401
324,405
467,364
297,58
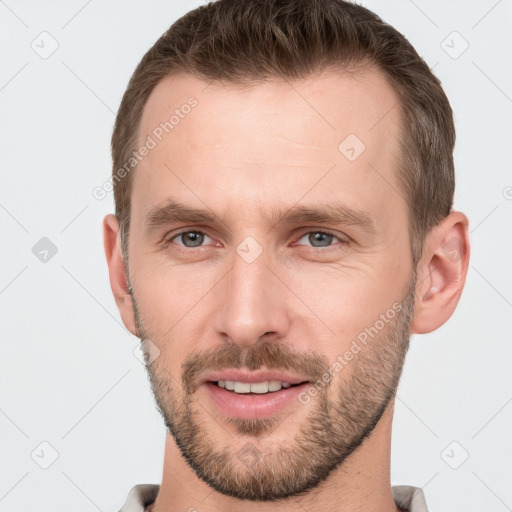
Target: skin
x,y
244,152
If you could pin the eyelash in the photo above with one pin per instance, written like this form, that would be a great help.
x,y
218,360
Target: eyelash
x,y
169,240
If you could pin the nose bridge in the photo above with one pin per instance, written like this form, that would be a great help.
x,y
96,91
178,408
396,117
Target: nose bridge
x,y
252,301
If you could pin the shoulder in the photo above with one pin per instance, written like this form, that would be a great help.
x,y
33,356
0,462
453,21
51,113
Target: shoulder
x,y
139,497
409,498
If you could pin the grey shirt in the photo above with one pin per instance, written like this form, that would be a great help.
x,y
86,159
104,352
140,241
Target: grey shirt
x,y
406,497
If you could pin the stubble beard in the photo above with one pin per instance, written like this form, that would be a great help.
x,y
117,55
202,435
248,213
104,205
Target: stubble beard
x,y
248,466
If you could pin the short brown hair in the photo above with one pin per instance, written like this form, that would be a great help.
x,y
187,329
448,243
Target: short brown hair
x,y
249,41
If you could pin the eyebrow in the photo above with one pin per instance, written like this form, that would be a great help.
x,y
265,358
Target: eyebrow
x,y
333,213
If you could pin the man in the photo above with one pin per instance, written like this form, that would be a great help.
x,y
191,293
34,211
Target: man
x,y
284,181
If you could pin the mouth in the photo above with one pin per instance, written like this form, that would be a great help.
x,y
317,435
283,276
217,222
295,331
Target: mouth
x,y
254,395
255,388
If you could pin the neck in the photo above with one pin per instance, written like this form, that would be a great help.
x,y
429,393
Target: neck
x,y
362,482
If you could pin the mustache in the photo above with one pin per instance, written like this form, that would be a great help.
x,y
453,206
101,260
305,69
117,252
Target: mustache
x,y
271,356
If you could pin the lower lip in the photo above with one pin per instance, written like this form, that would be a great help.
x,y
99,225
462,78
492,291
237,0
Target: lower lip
x,y
247,406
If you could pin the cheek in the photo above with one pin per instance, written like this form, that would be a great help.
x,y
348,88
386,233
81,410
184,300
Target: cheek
x,y
347,301
172,302
167,292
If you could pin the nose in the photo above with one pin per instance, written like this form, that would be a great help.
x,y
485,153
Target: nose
x,y
252,303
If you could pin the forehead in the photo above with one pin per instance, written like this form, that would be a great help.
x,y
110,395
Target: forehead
x,y
273,142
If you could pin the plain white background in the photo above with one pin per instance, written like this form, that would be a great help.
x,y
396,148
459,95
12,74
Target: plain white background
x,y
70,377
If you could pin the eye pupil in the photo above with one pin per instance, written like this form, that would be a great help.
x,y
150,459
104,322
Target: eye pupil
x,y
318,236
192,236
318,239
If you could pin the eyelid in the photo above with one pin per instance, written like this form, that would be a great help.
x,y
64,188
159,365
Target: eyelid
x,y
168,239
342,238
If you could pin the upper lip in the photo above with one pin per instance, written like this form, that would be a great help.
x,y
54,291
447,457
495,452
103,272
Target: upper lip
x,y
251,377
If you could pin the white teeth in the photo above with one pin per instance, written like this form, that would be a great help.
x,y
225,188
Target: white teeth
x,y
242,387
254,387
274,385
259,387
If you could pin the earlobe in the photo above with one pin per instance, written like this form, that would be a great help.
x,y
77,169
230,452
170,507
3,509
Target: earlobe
x,y
117,272
441,273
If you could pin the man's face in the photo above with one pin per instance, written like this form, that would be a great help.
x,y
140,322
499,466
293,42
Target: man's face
x,y
269,285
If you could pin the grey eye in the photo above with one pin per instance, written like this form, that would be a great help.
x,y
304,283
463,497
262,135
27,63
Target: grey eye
x,y
319,239
190,238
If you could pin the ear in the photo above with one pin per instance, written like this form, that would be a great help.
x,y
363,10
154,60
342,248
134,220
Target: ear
x,y
441,273
117,271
